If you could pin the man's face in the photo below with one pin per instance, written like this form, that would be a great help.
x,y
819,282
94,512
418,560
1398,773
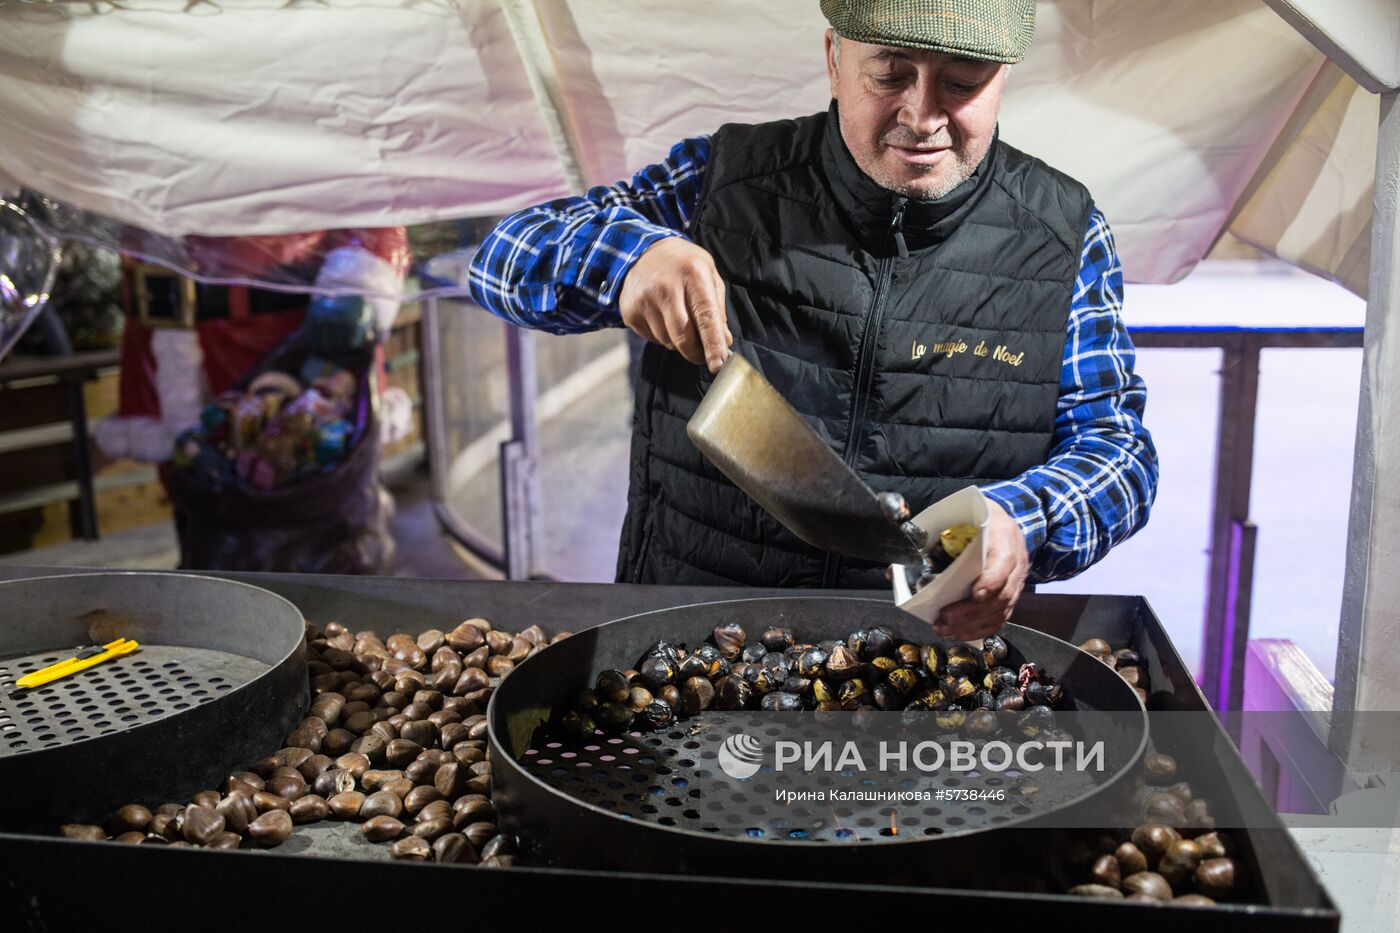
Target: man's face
x,y
917,122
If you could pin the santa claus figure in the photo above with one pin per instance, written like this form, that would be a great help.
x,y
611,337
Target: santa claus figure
x,y
186,343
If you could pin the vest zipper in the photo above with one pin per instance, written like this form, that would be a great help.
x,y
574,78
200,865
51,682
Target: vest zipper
x,y
865,360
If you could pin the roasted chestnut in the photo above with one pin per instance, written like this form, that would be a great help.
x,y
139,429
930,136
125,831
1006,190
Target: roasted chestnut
x,y
983,699
1010,701
1034,721
961,662
956,687
850,692
841,664
613,718
716,664
994,651
658,671
733,693
657,715
811,662
879,643
753,652
577,726
779,702
1000,678
950,719
905,680
729,638
612,687
697,694
692,665
638,699
910,655
981,724
662,649
777,638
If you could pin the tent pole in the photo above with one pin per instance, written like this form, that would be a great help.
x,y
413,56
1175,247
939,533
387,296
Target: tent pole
x,y
1368,649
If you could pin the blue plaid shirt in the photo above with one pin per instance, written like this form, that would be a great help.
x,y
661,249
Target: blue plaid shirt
x,y
559,267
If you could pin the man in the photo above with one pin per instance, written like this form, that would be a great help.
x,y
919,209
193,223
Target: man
x,y
943,309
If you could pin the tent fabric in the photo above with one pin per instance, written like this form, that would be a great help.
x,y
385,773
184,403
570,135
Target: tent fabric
x,y
1185,118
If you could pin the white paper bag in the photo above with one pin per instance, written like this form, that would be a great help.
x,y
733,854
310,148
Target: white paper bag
x,y
966,506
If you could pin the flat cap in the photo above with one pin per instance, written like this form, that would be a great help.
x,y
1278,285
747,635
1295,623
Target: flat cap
x,y
990,30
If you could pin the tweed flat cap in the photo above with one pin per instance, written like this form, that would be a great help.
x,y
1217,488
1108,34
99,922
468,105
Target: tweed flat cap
x,y
990,30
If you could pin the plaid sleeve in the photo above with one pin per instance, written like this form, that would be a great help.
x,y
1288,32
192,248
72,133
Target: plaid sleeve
x,y
559,267
1098,484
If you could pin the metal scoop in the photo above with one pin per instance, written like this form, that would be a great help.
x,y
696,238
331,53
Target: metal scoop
x,y
744,427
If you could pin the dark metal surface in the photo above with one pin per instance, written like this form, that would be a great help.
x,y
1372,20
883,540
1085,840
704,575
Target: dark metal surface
x,y
155,888
750,432
559,823
221,677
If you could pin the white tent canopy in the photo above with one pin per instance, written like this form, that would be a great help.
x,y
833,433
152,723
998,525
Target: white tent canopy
x,y
1186,118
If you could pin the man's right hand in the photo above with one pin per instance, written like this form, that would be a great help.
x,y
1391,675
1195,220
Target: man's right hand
x,y
673,296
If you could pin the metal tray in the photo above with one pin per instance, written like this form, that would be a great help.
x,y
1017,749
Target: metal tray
x,y
57,884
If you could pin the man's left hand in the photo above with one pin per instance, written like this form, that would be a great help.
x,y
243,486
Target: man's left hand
x,y
995,592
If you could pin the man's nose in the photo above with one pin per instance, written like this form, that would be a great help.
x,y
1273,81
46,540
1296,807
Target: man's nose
x,y
923,110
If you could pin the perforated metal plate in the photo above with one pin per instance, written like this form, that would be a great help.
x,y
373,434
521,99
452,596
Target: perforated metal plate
x,y
153,683
673,779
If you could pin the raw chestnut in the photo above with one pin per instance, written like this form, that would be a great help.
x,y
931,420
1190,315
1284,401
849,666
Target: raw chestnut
x,y
1154,840
1095,890
1106,871
454,848
309,809
132,818
1160,770
225,840
82,831
1149,883
1193,900
412,848
639,699
347,805
382,829
201,824
381,803
272,828
1131,859
1216,878
1180,862
1214,845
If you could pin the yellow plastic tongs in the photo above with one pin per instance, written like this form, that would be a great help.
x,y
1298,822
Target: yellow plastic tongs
x,y
84,659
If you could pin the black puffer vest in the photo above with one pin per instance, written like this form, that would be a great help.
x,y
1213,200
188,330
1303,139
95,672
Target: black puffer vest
x,y
922,340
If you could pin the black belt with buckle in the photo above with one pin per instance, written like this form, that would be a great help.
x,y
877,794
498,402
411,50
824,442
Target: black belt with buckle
x,y
166,299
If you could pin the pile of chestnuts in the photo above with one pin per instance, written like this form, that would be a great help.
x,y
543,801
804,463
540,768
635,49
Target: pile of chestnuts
x,y
1125,661
395,740
1175,853
959,689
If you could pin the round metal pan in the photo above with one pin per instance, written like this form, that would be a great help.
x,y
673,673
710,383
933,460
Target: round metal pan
x,y
220,679
560,825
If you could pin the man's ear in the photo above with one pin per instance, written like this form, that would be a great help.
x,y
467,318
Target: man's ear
x,y
833,58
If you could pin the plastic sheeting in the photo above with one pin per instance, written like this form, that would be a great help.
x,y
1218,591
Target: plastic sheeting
x,y
1186,118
